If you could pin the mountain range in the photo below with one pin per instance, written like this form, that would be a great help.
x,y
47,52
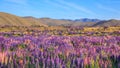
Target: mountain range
x,y
13,20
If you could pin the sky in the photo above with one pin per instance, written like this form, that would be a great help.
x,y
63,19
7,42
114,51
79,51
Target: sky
x,y
63,9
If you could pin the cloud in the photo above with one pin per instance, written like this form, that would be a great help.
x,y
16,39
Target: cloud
x,y
75,6
108,8
68,6
20,2
57,4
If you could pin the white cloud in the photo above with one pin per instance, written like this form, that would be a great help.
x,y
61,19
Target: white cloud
x,y
22,2
75,6
56,4
106,8
69,6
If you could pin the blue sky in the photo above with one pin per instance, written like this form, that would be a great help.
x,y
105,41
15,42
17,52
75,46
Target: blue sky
x,y
63,9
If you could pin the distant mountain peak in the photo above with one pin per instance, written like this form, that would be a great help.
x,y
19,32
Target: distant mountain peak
x,y
87,20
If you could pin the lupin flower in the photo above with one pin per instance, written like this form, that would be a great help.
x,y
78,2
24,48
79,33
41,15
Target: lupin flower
x,y
58,51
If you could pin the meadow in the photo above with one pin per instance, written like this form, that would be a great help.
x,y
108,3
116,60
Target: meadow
x,y
59,47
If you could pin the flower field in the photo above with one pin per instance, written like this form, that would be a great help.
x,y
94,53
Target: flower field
x,y
59,47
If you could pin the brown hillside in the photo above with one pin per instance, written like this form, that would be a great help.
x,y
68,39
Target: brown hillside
x,y
111,22
12,20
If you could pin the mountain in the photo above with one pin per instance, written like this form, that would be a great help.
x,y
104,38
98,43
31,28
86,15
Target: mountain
x,y
111,22
34,21
12,20
87,20
65,22
79,22
54,22
47,21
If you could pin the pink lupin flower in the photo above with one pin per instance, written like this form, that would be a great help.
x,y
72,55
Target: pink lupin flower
x,y
2,57
86,61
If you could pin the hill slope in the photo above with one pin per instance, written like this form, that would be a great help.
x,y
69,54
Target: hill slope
x,y
34,21
111,22
54,22
12,20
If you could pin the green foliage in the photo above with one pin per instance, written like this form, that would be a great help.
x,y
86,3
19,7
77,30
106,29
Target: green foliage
x,y
68,64
22,46
62,56
2,47
29,65
92,64
50,49
12,49
41,64
96,65
114,62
